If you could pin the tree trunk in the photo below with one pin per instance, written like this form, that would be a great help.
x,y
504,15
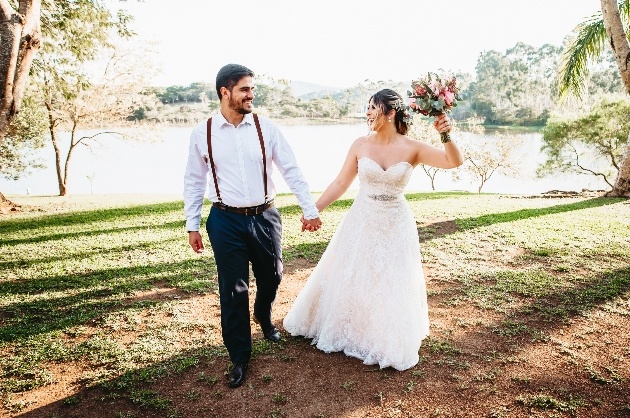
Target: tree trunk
x,y
20,40
60,180
66,169
621,48
6,205
622,185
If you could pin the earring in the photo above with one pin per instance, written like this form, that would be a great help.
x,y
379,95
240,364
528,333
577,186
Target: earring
x,y
389,120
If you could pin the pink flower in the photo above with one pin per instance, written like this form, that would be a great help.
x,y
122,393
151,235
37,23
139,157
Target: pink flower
x,y
424,91
435,86
420,90
449,97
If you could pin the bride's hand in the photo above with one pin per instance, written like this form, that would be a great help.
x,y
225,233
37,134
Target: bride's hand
x,y
442,123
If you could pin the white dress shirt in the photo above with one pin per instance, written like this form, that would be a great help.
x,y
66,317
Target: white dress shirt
x,y
238,162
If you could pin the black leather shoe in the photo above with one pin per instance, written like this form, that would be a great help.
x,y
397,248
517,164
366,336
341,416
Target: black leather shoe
x,y
273,335
270,334
237,375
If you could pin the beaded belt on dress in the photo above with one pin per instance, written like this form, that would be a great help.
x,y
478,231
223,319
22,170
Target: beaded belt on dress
x,y
252,210
383,197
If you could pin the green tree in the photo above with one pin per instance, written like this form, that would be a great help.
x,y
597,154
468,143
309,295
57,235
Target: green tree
x,y
267,96
76,32
102,102
591,144
26,26
26,134
612,27
325,107
173,94
514,88
29,26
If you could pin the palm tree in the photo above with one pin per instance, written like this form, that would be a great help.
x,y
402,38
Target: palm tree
x,y
612,25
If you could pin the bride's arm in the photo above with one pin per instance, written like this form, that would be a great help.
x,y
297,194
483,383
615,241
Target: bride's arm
x,y
449,157
343,180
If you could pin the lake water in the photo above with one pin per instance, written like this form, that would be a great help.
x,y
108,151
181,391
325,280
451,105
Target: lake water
x,y
117,166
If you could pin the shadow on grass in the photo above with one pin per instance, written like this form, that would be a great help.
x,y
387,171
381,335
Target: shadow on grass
x,y
539,311
92,232
438,229
192,383
519,215
565,303
89,295
170,385
25,263
531,325
92,294
143,390
87,217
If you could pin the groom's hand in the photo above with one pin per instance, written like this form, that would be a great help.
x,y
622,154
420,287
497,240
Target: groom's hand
x,y
195,241
311,225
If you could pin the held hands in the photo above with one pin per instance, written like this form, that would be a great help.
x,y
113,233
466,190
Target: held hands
x,y
311,225
195,241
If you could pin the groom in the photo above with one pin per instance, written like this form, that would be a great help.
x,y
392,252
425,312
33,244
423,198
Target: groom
x,y
232,153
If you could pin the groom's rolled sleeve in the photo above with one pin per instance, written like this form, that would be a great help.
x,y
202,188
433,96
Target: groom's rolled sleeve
x,y
195,181
287,165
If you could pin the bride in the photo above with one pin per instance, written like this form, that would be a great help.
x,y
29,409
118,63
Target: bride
x,y
367,296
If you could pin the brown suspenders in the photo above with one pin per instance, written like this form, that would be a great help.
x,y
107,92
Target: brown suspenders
x,y
214,171
262,147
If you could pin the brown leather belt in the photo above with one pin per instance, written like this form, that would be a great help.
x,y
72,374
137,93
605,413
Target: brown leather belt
x,y
250,211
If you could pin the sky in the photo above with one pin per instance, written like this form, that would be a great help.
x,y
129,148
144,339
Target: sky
x,y
341,43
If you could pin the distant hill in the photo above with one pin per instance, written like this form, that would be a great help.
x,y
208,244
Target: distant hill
x,y
306,91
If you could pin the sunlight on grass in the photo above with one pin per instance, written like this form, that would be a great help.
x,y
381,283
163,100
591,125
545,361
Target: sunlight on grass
x,y
105,286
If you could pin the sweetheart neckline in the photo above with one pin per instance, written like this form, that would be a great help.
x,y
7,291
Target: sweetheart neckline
x,y
386,169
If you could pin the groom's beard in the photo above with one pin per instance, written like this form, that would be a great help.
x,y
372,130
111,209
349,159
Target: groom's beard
x,y
238,106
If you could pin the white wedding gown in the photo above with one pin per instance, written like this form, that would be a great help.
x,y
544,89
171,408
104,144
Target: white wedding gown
x,y
366,296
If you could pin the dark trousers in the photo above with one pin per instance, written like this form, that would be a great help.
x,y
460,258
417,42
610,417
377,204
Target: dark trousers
x,y
236,241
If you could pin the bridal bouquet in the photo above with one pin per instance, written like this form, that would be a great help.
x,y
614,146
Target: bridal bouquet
x,y
433,95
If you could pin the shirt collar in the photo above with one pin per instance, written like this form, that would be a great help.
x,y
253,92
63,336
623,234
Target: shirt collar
x,y
248,118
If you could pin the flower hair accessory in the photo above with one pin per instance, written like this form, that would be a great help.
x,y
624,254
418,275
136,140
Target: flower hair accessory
x,y
400,106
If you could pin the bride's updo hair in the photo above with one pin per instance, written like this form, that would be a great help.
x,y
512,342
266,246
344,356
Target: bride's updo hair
x,y
388,99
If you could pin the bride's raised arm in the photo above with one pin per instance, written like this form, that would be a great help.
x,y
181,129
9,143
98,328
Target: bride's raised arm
x,y
447,157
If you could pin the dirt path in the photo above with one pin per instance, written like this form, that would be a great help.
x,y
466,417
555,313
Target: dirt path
x,y
466,370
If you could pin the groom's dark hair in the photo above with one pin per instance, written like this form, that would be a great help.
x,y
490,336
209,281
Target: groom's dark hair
x,y
229,75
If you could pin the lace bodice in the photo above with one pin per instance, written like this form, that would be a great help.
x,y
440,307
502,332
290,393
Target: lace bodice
x,y
378,182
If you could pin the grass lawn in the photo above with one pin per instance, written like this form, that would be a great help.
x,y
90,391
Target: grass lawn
x,y
106,312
